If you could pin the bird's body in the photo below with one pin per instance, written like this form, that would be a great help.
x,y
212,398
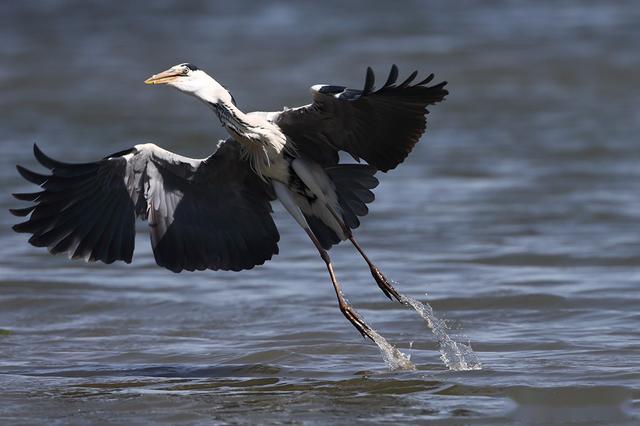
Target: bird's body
x,y
263,144
272,157
214,213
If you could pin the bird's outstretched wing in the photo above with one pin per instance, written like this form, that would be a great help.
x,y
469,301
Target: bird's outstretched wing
x,y
202,214
379,126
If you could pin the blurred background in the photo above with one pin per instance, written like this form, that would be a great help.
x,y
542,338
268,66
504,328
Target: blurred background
x,y
517,214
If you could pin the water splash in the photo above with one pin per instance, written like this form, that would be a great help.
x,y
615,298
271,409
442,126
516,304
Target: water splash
x,y
393,357
455,355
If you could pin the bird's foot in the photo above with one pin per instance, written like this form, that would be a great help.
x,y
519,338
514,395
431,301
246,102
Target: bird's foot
x,y
355,319
384,284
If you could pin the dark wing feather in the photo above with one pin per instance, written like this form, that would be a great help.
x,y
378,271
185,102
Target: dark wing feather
x,y
353,185
213,213
379,126
193,227
77,199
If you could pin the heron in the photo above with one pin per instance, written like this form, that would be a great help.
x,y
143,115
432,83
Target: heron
x,y
215,213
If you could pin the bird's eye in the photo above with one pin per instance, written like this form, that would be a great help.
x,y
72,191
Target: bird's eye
x,y
185,71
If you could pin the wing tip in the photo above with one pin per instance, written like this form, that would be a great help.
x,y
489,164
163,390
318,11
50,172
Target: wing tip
x,y
22,227
426,80
22,212
369,82
26,196
44,159
409,79
31,176
393,76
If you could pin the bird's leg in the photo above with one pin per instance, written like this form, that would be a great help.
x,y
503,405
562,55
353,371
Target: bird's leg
x,y
285,197
305,171
345,308
378,276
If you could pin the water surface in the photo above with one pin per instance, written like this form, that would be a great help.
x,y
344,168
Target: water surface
x,y
517,215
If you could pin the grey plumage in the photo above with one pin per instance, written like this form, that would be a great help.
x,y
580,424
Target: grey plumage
x,y
203,214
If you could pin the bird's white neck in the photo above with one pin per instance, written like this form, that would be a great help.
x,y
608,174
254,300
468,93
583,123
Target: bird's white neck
x,y
210,91
203,87
262,142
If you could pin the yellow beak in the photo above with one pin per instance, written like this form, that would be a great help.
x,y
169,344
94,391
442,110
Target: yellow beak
x,y
163,78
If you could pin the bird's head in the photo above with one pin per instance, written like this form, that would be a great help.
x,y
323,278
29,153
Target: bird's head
x,y
191,80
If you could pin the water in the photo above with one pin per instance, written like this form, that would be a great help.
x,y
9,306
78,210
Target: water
x,y
518,214
393,358
456,355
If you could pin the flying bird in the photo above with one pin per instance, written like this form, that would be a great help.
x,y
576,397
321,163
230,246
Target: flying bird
x,y
215,213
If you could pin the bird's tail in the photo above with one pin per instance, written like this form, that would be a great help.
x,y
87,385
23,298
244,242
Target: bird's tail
x,y
353,184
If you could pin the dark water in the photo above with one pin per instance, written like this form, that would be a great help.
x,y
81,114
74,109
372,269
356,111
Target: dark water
x,y
518,215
